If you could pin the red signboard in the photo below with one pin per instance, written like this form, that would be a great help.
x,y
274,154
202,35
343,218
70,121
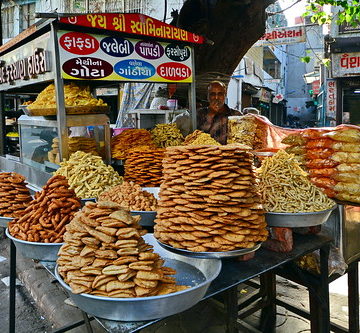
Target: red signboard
x,y
132,23
316,87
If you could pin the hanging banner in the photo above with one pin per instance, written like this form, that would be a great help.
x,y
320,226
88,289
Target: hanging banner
x,y
345,64
286,35
98,57
331,99
133,23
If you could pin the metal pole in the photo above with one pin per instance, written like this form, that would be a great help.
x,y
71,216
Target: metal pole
x,y
192,93
2,100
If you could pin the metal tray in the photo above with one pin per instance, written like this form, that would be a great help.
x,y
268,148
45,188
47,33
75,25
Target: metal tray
x,y
36,250
147,218
5,220
197,273
296,220
210,255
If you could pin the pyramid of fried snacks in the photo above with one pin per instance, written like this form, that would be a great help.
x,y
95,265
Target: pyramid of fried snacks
x,y
209,200
105,255
130,196
129,138
143,166
14,195
45,218
286,188
200,138
88,175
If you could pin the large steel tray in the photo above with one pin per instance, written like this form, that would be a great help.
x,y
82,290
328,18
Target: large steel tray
x,y
36,250
210,255
197,273
147,218
4,221
296,220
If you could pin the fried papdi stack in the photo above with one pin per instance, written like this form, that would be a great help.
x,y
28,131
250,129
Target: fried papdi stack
x,y
209,201
130,196
105,255
14,195
45,218
143,166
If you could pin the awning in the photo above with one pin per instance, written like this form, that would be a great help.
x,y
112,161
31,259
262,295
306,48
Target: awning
x,y
249,88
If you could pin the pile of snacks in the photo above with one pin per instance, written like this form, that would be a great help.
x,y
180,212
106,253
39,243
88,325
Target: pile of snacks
x,y
75,143
209,200
128,139
74,96
130,196
143,166
285,187
247,130
88,175
166,135
332,159
45,218
14,195
104,255
200,138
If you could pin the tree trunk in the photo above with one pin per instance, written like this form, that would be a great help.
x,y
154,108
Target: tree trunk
x,y
232,25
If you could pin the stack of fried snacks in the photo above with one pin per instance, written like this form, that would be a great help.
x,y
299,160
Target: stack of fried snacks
x,y
200,138
209,201
104,255
247,130
74,96
128,139
286,188
88,175
130,196
14,195
45,218
76,143
167,135
143,166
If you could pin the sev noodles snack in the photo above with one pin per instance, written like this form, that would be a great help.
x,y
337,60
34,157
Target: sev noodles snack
x,y
285,187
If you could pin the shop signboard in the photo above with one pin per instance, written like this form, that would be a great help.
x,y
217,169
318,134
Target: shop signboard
x,y
316,87
347,28
27,64
345,64
264,95
133,23
86,56
331,99
285,35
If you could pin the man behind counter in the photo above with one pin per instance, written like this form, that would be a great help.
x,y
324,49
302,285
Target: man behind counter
x,y
214,118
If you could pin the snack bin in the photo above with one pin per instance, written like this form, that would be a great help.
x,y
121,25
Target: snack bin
x,y
96,50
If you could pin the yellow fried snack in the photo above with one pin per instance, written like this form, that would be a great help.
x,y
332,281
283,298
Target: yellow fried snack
x,y
74,96
88,175
200,138
167,135
285,187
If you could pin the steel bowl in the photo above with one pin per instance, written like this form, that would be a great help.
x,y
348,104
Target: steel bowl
x,y
4,221
197,273
296,220
153,190
36,250
211,255
147,218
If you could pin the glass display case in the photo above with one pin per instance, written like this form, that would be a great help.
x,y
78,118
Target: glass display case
x,y
40,144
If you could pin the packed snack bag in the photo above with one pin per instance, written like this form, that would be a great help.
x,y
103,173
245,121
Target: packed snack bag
x,y
331,156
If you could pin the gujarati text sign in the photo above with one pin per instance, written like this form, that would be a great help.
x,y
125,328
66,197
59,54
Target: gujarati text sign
x,y
286,35
345,64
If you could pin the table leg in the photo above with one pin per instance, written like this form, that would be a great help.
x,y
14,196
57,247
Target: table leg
x,y
87,322
319,304
353,297
231,306
12,287
268,313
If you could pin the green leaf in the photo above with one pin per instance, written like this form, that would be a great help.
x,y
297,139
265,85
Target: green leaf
x,y
326,62
305,59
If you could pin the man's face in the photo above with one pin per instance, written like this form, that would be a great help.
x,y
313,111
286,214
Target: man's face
x,y
216,97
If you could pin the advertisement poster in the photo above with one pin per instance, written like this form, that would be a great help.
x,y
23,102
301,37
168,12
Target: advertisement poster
x,y
331,101
97,57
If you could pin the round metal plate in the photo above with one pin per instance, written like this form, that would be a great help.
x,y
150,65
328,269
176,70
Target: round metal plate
x,y
210,255
297,220
147,218
4,221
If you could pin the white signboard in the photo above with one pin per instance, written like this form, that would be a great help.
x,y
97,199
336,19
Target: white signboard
x,y
331,99
285,35
345,64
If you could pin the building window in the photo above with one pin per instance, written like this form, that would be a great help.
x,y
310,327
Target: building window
x,y
27,16
8,22
271,64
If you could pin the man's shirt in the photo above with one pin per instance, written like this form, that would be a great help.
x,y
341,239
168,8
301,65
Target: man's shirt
x,y
219,125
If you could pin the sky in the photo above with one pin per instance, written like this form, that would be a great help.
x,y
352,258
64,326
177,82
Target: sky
x,y
294,11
